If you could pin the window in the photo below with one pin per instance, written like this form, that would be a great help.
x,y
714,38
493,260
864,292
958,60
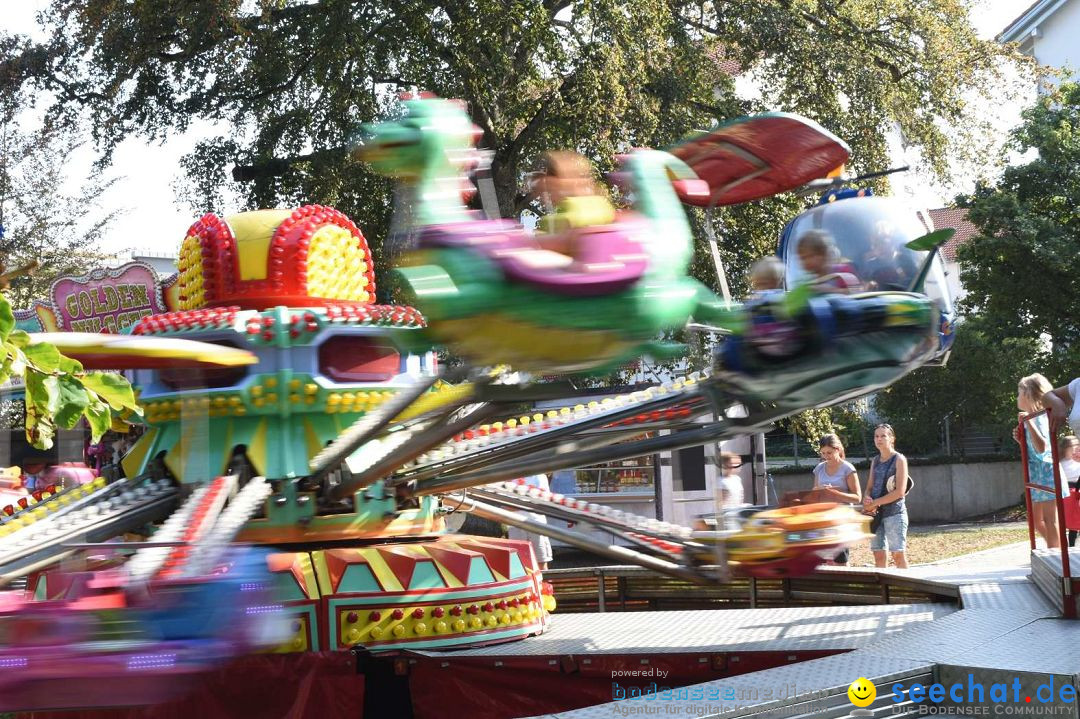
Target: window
x,y
184,378
690,469
356,358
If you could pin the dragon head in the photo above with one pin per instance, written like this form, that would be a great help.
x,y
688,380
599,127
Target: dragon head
x,y
435,139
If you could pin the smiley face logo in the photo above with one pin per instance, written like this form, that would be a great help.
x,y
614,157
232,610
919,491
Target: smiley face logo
x,y
862,692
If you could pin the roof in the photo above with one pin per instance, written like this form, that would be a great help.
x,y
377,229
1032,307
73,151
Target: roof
x,y
956,218
1036,13
724,62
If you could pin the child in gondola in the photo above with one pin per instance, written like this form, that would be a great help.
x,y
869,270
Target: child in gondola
x,y
568,188
817,254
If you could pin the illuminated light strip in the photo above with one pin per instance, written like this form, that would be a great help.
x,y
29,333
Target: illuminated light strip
x,y
629,520
113,502
228,524
37,504
375,450
498,433
140,662
145,563
202,520
389,623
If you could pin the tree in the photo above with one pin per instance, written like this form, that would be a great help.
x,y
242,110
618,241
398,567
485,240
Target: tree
x,y
1019,270
291,81
40,218
975,390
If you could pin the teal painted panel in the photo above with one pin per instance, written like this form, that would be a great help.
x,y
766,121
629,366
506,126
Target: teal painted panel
x,y
479,572
516,568
358,578
426,576
287,590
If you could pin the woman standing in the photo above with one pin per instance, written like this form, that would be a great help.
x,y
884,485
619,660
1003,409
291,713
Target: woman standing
x,y
889,505
836,477
1040,463
835,474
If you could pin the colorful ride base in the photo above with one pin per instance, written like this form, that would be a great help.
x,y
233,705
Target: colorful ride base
x,y
443,592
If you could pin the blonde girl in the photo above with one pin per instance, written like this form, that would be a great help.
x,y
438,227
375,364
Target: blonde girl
x,y
1031,391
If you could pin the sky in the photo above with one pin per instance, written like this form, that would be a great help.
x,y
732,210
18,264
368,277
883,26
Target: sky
x,y
153,219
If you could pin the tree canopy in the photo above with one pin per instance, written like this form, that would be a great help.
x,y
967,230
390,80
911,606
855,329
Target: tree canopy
x,y
289,82
43,219
1019,270
976,390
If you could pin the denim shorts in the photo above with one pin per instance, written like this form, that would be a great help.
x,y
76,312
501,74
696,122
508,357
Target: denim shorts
x,y
893,529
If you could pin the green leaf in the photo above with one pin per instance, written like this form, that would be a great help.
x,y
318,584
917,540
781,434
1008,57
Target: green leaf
x,y
5,369
42,403
112,388
7,318
43,356
70,366
99,417
19,338
73,401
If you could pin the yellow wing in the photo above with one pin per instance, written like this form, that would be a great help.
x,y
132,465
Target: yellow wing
x,y
102,351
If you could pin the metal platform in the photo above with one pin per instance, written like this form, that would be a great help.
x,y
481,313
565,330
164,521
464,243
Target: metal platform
x,y
714,631
1047,573
1005,625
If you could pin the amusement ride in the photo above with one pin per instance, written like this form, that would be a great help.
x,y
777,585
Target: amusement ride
x,y
304,447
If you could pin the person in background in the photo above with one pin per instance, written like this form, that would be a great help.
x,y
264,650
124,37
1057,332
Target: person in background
x,y
1040,463
730,491
541,544
836,477
1069,466
32,469
892,530
817,254
767,274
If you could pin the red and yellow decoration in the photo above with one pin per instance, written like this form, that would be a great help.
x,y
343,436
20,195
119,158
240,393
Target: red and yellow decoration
x,y
305,257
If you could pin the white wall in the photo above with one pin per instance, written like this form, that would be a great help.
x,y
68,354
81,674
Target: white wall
x,y
1056,43
952,279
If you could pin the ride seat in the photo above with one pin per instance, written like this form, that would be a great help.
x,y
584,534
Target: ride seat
x,y
608,259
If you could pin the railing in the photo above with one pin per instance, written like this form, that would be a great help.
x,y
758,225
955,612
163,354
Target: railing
x,y
632,588
1068,598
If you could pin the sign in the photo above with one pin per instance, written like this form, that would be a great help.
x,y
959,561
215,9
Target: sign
x,y
106,300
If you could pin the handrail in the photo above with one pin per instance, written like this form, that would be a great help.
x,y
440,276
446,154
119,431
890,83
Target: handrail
x,y
1069,601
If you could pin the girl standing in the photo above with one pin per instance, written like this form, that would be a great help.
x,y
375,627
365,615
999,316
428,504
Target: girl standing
x,y
836,477
835,474
1030,393
888,504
